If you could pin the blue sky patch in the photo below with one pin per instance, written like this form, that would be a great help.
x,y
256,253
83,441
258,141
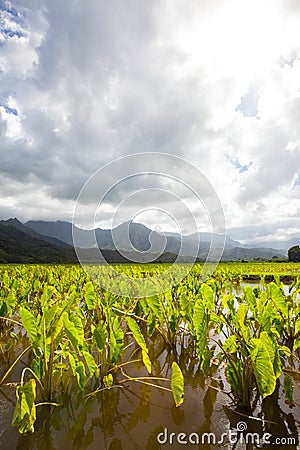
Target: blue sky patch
x,y
11,33
235,162
10,110
9,14
296,182
249,103
4,6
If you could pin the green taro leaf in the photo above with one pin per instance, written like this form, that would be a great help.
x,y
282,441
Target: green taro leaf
x,y
250,298
37,367
80,374
74,329
54,322
146,360
78,370
100,335
261,303
297,326
155,305
79,327
201,319
208,297
230,345
29,323
11,302
90,362
48,292
177,384
285,350
272,348
6,280
137,334
149,288
232,376
241,315
226,301
116,343
25,411
278,299
108,381
89,295
50,314
263,368
151,325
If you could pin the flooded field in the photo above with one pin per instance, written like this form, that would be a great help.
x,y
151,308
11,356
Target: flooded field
x,y
138,416
107,363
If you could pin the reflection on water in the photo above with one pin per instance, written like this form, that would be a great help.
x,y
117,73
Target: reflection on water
x,y
287,288
131,417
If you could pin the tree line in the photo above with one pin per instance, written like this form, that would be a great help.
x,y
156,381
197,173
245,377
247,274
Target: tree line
x,y
294,253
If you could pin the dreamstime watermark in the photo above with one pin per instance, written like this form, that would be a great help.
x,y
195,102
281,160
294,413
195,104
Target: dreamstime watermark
x,y
238,436
153,183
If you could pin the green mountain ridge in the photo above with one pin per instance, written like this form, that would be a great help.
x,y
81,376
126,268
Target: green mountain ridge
x,y
52,242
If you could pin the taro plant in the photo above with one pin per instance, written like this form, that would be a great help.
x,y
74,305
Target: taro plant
x,y
248,341
162,313
286,313
59,352
201,323
73,335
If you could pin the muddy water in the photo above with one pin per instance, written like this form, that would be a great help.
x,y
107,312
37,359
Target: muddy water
x,y
140,417
136,416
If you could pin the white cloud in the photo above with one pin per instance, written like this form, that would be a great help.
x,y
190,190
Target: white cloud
x,y
215,83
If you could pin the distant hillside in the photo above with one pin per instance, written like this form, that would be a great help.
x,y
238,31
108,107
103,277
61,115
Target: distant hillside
x,y
90,256
15,223
141,237
218,239
19,247
58,230
238,253
278,245
41,241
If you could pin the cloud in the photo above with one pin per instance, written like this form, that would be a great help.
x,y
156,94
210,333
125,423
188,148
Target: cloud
x,y
217,84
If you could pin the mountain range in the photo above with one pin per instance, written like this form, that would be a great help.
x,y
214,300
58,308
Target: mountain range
x,y
52,242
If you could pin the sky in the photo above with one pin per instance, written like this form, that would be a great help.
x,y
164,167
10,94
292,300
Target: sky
x,y
215,83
